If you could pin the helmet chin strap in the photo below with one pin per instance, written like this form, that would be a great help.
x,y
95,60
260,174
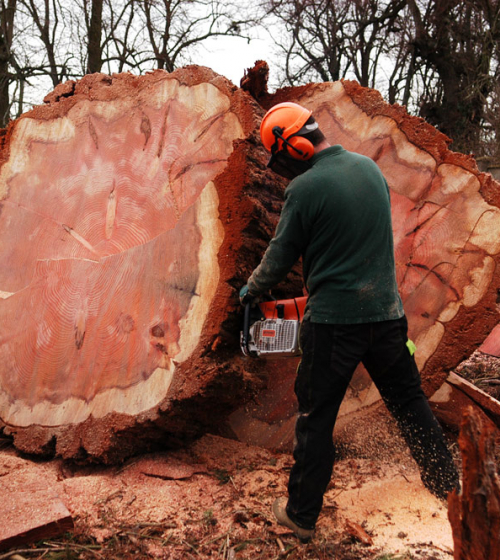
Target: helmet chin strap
x,y
278,134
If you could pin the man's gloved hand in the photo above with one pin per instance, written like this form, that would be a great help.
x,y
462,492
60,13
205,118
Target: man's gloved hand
x,y
246,296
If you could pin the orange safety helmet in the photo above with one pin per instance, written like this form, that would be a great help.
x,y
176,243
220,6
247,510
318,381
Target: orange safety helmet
x,y
281,129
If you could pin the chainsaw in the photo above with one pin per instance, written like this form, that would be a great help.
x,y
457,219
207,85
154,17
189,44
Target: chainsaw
x,y
271,328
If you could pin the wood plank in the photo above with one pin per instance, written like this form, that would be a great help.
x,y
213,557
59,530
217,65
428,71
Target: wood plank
x,y
31,513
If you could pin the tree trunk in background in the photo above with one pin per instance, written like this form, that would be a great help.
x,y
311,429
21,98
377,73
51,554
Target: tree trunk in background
x,y
94,52
475,512
6,31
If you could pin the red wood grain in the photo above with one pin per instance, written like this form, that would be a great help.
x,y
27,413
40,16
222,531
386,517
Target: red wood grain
x,y
114,208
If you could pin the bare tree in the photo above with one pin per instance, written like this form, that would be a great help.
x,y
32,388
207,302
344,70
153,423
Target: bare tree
x,y
457,45
122,42
331,39
439,58
313,40
372,37
7,13
48,24
176,27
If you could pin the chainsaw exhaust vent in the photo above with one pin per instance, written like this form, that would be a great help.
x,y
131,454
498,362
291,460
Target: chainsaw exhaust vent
x,y
278,337
271,328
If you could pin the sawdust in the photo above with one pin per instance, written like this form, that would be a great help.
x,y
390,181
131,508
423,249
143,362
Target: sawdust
x,y
394,507
219,492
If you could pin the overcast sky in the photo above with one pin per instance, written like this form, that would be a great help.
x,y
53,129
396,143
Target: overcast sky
x,y
231,56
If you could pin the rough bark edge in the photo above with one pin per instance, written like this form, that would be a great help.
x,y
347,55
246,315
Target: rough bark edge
x,y
475,513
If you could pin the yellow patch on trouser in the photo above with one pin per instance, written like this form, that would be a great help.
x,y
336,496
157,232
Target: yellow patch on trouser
x,y
411,347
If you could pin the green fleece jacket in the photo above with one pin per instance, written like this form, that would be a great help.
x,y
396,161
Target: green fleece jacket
x,y
337,216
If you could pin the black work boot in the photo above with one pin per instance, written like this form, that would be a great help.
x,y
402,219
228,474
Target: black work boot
x,y
279,510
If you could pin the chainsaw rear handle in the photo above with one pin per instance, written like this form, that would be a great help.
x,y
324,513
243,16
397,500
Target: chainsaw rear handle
x,y
246,328
247,320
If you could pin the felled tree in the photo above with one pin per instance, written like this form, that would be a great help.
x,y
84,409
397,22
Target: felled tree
x,y
124,206
446,221
133,208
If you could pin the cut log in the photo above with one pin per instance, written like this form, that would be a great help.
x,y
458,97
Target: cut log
x,y
446,220
475,513
130,212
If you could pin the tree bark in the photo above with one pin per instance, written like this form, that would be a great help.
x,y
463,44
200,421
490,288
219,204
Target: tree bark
x,y
475,513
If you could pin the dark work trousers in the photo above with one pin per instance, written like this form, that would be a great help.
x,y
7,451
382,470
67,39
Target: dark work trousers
x,y
330,354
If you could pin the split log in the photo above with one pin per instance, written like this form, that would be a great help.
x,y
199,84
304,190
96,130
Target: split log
x,y
475,513
130,212
446,221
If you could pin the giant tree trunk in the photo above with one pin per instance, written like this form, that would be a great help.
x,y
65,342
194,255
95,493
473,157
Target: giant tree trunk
x,y
446,220
124,208
133,209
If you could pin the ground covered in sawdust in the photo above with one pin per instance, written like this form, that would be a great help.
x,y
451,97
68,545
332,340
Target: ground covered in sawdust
x,y
213,500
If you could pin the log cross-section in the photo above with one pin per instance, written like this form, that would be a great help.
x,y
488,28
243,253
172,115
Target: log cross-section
x,y
446,222
114,212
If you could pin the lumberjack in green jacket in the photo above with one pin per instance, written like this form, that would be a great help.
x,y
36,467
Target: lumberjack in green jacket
x,y
337,217
343,231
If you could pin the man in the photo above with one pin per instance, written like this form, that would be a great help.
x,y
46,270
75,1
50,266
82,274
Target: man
x,y
337,217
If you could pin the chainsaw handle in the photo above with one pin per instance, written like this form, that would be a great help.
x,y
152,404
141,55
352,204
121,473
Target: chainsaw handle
x,y
246,326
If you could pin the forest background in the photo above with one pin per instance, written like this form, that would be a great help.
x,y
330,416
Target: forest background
x,y
439,58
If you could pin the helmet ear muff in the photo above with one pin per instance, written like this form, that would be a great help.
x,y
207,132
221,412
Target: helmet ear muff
x,y
299,148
